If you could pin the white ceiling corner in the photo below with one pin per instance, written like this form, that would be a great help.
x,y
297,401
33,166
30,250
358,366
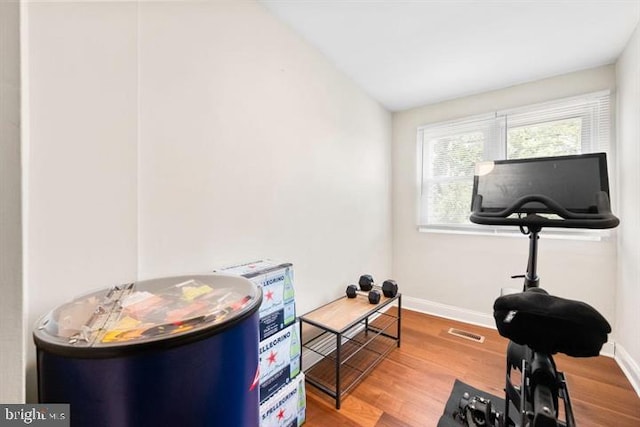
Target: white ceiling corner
x,y
410,53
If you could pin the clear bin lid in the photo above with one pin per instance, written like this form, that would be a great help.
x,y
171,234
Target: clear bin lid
x,y
147,311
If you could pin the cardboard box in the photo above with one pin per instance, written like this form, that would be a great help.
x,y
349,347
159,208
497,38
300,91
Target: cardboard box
x,y
279,358
287,408
277,310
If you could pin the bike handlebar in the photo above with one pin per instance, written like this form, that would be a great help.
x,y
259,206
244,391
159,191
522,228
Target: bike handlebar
x,y
601,219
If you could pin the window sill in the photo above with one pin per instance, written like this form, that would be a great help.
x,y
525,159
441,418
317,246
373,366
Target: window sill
x,y
547,233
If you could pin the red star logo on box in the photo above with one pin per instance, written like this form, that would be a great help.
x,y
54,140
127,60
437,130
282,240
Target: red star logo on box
x,y
269,295
272,358
281,414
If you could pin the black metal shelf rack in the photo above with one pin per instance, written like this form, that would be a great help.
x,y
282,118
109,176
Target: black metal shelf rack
x,y
350,337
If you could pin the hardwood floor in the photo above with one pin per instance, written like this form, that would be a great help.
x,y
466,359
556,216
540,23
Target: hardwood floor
x,y
411,386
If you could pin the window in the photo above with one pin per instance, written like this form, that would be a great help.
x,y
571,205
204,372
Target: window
x,y
449,151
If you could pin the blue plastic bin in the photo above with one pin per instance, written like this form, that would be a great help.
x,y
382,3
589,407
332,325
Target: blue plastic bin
x,y
177,351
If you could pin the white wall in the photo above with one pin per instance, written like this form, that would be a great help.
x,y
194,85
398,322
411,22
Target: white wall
x,y
461,275
81,217
11,336
253,145
628,292
169,137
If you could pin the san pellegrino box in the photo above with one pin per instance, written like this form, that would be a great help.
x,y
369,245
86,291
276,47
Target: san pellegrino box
x,y
277,310
279,357
287,408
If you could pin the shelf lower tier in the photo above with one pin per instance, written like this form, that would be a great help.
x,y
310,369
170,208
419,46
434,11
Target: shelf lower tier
x,y
356,361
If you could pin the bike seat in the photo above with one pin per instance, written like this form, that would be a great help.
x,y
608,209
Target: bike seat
x,y
551,324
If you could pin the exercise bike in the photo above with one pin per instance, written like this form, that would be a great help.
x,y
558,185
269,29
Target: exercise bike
x,y
530,194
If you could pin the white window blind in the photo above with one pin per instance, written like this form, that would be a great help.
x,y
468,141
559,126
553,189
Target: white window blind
x,y
448,151
449,154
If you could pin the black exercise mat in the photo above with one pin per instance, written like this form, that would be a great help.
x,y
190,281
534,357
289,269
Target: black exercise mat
x,y
452,406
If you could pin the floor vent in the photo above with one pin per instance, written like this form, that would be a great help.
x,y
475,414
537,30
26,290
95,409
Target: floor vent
x,y
466,335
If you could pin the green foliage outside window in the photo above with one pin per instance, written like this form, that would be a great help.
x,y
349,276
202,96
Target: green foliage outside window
x,y
557,138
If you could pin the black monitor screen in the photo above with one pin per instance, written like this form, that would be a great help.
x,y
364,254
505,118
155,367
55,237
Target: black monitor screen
x,y
572,181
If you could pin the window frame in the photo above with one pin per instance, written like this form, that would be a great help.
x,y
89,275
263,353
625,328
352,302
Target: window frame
x,y
592,140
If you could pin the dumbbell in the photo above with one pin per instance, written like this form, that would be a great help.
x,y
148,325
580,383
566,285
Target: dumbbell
x,y
374,296
389,287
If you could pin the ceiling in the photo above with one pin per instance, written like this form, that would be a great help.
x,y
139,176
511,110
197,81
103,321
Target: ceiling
x,y
410,53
